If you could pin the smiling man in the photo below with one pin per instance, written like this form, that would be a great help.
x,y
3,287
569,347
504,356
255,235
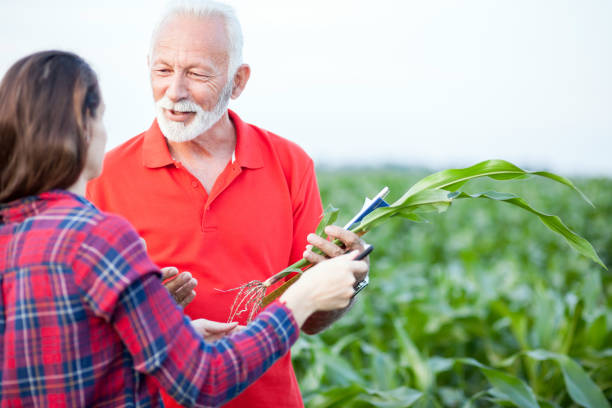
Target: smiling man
x,y
210,194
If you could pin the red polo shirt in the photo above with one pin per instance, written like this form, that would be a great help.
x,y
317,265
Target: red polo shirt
x,y
252,223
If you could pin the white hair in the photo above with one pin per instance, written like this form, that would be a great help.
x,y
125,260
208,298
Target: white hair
x,y
206,8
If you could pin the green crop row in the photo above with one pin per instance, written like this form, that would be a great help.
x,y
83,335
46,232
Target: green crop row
x,y
482,306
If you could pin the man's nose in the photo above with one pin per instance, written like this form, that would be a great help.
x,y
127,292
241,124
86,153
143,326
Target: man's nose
x,y
178,89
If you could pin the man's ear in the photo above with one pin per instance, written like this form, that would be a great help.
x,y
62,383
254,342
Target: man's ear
x,y
241,77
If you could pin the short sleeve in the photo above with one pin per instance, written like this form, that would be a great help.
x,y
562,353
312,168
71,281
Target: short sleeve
x,y
307,211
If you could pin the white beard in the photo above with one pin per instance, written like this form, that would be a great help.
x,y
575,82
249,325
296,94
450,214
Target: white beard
x,y
203,120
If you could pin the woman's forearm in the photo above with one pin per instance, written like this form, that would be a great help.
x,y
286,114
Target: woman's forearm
x,y
163,344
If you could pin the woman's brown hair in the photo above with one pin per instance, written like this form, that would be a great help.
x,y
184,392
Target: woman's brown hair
x,y
46,100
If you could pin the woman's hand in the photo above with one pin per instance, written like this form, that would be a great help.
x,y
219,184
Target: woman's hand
x,y
211,330
326,286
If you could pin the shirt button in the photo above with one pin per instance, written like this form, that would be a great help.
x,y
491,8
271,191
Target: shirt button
x,y
194,184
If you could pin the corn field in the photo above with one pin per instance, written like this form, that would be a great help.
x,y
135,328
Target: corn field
x,y
480,307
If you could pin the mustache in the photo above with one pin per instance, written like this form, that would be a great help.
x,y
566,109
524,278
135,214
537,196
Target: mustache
x,y
185,105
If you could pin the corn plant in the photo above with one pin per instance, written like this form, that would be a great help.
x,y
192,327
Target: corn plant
x,y
432,194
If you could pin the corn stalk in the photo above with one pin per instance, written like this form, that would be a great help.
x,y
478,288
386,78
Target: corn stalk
x,y
432,194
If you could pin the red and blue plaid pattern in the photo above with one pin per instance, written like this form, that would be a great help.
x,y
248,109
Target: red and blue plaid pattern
x,y
85,320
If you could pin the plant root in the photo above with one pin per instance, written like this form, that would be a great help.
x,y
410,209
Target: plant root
x,y
248,299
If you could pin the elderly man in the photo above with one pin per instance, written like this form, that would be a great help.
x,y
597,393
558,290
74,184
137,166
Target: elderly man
x,y
209,193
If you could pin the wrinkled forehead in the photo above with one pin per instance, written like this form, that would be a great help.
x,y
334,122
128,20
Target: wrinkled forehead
x,y
204,37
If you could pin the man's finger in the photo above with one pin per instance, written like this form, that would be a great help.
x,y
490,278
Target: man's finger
x,y
312,257
185,290
187,300
168,272
181,288
328,248
350,239
181,279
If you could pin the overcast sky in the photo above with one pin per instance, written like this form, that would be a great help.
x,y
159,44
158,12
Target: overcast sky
x,y
428,83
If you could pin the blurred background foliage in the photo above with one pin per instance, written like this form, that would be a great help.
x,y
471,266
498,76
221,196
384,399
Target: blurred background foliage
x,y
484,281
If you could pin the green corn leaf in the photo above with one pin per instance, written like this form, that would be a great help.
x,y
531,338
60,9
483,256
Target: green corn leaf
x,y
335,397
341,371
453,179
579,385
548,404
330,215
565,181
470,402
439,200
510,387
397,397
419,203
427,401
412,358
597,331
414,217
553,222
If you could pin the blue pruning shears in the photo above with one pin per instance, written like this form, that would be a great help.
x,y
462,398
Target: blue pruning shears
x,y
368,206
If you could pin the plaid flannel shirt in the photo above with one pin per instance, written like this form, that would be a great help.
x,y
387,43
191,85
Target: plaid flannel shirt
x,y
85,320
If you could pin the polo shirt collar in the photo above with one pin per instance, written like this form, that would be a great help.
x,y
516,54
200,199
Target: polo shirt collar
x,y
248,152
155,152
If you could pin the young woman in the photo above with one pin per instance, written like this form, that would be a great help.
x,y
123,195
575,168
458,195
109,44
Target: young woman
x,y
84,318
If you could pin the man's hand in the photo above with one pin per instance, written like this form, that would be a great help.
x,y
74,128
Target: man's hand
x,y
212,330
321,320
181,287
350,240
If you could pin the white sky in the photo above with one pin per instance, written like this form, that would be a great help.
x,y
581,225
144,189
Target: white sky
x,y
432,83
